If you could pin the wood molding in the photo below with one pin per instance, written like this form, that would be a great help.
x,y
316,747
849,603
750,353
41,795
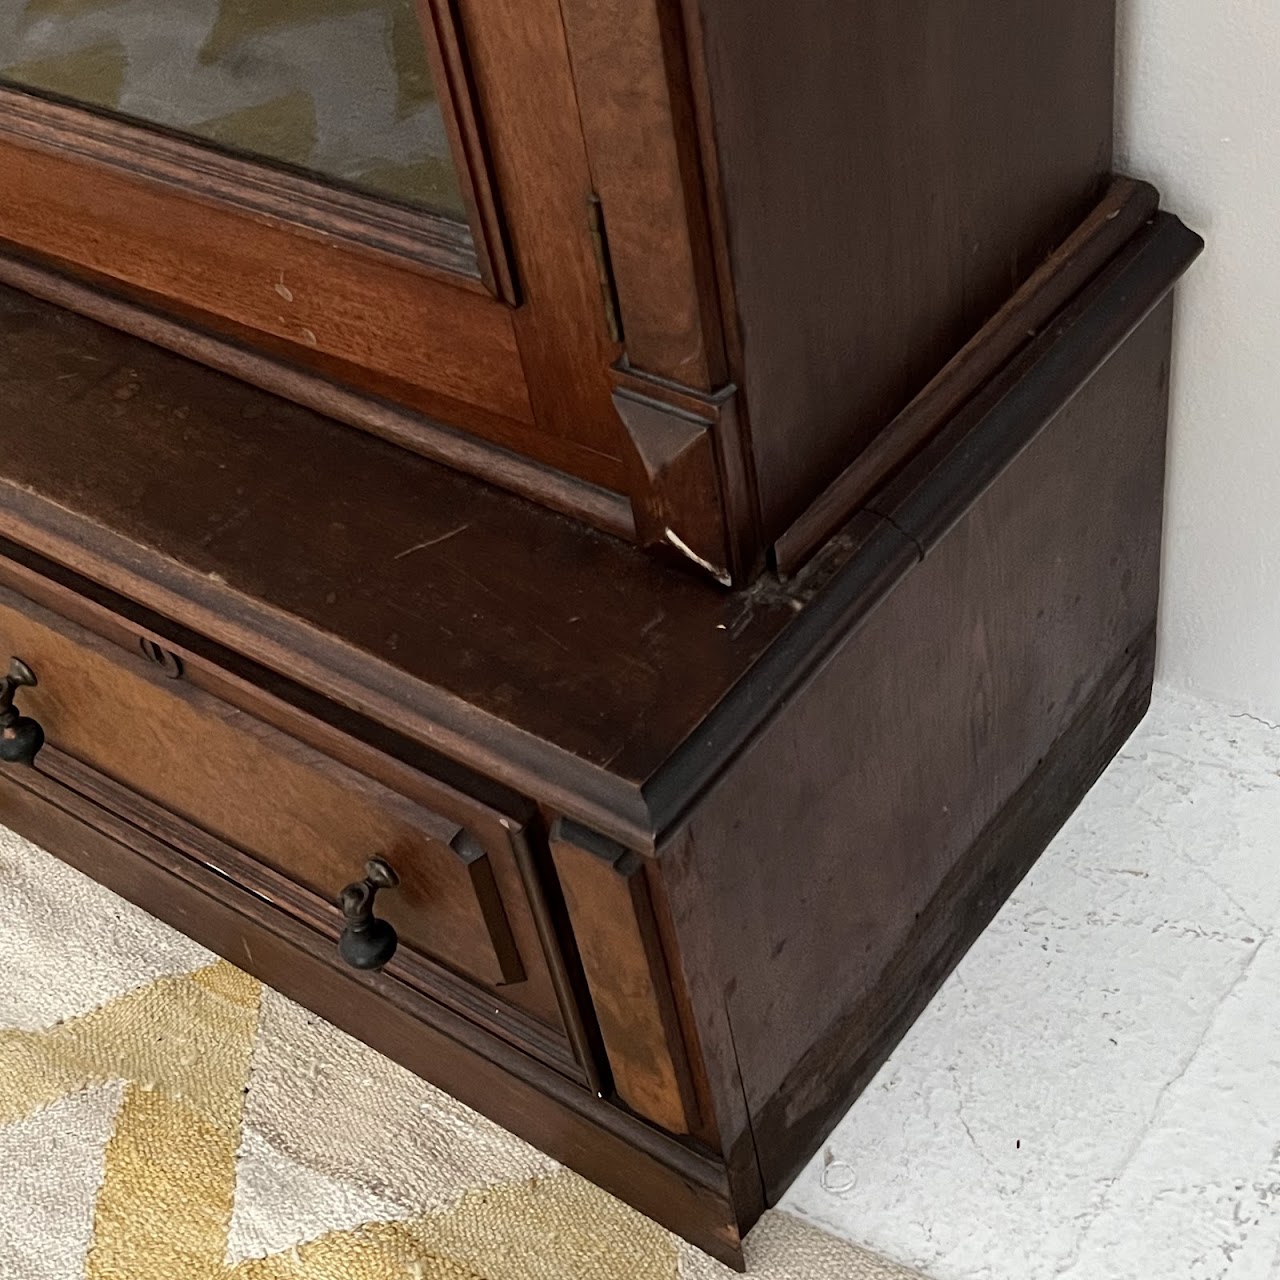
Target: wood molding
x,y
451,71
680,503
432,979
470,454
427,240
312,299
834,592
420,777
484,883
897,532
689,462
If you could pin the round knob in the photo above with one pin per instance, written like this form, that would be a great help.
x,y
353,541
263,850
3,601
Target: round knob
x,y
367,942
21,737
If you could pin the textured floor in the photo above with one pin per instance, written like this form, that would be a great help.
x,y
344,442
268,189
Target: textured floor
x,y
1095,1094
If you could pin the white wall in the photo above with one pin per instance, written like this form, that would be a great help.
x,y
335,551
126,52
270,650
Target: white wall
x,y
1199,115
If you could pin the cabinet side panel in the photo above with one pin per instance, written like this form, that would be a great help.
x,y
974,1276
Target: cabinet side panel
x,y
889,173
847,860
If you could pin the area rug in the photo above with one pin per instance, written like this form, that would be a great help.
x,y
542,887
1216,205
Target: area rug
x,y
164,1116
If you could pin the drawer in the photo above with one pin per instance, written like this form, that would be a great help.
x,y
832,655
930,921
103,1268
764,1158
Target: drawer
x,y
300,825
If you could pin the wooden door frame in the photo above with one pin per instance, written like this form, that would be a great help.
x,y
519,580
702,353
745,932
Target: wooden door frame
x,y
499,333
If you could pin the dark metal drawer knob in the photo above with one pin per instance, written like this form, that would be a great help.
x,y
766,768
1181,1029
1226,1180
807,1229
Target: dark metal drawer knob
x,y
21,737
367,942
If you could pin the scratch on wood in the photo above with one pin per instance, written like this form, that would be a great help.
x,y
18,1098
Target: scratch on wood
x,y
432,542
554,640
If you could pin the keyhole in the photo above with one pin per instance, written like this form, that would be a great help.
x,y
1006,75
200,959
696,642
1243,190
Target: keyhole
x,y
168,662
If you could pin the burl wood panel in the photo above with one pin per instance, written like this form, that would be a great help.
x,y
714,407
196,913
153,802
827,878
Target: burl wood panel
x,y
607,894
890,172
887,769
262,792
632,75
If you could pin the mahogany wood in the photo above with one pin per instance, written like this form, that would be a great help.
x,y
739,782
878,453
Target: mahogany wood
x,y
413,570
888,173
450,71
1115,221
204,533
526,93
680,861
926,761
632,74
441,246
377,298
307,293
500,817
558,490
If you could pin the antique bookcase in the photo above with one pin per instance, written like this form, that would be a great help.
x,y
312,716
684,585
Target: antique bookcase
x,y
591,542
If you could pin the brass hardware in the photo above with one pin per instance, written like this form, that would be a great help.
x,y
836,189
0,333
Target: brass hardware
x,y
21,737
604,267
367,942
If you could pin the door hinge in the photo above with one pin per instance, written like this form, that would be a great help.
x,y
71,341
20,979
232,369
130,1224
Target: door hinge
x,y
604,265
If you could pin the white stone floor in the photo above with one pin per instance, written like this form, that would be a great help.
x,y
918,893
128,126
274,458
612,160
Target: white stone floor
x,y
1095,1093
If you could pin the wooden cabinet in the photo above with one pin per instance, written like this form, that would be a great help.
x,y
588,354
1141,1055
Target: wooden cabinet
x,y
667,266
675,483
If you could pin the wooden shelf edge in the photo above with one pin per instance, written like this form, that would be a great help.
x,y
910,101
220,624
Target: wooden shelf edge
x,y
822,603
836,590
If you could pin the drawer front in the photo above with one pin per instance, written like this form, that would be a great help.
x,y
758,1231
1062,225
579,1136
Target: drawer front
x,y
463,902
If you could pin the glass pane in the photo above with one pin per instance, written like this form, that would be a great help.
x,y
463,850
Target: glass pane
x,y
338,87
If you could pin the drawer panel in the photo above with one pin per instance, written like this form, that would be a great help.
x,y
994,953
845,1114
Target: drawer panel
x,y
461,903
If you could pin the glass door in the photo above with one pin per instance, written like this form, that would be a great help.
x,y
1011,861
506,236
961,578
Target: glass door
x,y
340,89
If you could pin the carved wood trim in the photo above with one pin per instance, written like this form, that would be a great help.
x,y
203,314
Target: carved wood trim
x,y
485,886
690,474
